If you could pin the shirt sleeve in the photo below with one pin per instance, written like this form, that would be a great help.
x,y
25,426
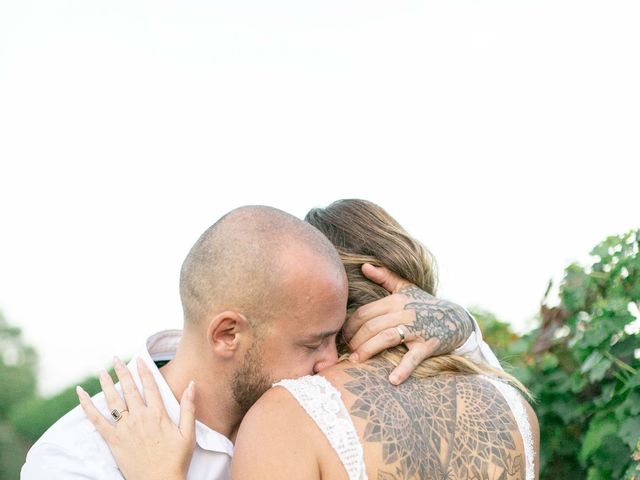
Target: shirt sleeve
x,y
53,462
476,349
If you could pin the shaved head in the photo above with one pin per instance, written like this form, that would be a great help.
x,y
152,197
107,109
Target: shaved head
x,y
244,262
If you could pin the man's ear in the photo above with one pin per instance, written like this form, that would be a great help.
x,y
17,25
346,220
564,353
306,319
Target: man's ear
x,y
225,332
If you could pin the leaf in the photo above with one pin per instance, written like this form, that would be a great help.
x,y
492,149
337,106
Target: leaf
x,y
595,473
630,431
548,361
598,430
598,372
591,361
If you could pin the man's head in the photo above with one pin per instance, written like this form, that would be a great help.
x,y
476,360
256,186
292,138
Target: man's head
x,y
263,294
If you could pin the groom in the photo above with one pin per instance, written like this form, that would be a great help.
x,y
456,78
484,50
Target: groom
x,y
264,295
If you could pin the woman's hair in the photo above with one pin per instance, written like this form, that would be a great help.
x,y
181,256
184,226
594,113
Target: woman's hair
x,y
363,232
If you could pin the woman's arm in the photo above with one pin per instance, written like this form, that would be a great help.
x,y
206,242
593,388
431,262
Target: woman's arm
x,y
429,325
145,443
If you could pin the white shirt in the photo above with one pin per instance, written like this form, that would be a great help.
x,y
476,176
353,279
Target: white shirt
x,y
73,449
476,349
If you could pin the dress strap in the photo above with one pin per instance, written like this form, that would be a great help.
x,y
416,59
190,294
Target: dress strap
x,y
522,420
323,403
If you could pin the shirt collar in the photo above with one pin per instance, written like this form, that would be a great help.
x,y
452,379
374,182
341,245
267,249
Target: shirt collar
x,y
162,346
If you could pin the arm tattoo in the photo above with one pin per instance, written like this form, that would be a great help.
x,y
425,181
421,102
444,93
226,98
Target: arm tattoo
x,y
446,427
436,318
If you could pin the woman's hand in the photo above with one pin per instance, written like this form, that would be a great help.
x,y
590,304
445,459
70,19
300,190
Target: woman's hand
x,y
146,444
429,325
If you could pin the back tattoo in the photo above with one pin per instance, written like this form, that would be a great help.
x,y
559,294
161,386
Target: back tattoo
x,y
447,427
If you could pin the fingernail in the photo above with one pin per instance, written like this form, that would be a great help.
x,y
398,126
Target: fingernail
x,y
394,378
191,392
117,362
81,393
104,376
353,357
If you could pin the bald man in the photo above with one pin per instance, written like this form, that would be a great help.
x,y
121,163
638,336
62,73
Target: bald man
x,y
264,295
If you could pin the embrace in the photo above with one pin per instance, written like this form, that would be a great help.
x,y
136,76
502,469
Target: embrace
x,y
311,349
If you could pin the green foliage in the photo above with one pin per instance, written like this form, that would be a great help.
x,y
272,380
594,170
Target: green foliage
x,y
582,366
18,363
34,417
500,334
12,452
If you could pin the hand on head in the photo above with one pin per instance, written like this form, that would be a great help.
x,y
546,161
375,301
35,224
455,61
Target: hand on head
x,y
426,325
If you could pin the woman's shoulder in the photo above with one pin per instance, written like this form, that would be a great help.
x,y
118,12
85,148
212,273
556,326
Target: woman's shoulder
x,y
268,447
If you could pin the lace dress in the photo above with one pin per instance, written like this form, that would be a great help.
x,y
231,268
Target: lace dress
x,y
323,403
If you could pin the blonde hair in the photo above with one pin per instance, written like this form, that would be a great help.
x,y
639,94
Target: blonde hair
x,y
363,232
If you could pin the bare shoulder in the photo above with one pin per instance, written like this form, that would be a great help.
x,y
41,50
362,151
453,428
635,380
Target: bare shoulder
x,y
273,441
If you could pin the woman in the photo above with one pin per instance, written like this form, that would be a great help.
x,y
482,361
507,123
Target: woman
x,y
452,419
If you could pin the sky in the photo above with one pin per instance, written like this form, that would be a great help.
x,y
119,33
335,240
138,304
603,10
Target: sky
x,y
503,134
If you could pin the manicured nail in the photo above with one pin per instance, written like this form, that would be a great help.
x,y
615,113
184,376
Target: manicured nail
x,y
354,357
140,363
117,362
81,393
191,391
104,376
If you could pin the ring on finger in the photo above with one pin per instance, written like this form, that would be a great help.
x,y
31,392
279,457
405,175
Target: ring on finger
x,y
117,414
401,333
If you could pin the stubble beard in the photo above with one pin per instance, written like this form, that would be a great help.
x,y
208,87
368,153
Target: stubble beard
x,y
250,381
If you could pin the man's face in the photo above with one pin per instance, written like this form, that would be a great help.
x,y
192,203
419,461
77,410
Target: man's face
x,y
300,342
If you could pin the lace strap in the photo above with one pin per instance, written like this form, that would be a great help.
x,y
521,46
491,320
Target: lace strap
x,y
323,404
522,420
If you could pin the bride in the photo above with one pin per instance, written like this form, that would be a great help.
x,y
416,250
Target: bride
x,y
452,419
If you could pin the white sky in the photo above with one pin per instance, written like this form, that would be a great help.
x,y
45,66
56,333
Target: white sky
x,y
504,134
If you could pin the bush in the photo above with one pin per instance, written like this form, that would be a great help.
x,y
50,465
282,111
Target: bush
x,y
34,417
582,364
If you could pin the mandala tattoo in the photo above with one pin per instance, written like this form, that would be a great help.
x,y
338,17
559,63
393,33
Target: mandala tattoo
x,y
446,427
437,318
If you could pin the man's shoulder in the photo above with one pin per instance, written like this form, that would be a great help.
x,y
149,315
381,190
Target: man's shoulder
x,y
71,448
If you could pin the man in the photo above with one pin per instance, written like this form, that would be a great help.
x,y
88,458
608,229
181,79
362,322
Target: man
x,y
264,296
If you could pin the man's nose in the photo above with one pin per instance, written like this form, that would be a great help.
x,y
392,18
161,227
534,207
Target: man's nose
x,y
329,358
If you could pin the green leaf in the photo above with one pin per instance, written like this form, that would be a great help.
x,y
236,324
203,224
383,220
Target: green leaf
x,y
595,473
591,361
548,361
630,431
598,372
598,430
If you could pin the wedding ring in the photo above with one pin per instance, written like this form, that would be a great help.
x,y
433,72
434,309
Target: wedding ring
x,y
401,333
117,414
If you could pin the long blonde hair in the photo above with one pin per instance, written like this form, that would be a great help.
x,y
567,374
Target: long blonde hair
x,y
363,232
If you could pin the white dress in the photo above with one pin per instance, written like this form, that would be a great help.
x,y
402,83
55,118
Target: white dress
x,y
323,403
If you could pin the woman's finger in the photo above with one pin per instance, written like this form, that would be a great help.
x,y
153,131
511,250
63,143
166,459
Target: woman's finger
x,y
377,325
188,412
150,389
384,277
387,338
129,388
102,425
418,351
111,395
367,312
